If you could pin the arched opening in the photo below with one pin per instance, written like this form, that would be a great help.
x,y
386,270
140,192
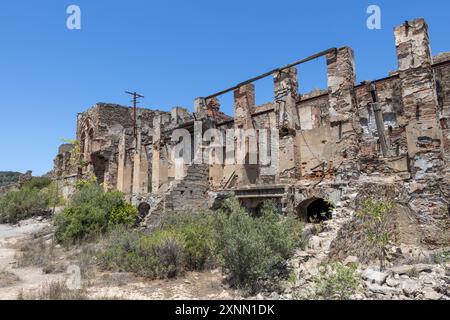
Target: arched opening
x,y
83,146
315,210
143,210
99,163
90,140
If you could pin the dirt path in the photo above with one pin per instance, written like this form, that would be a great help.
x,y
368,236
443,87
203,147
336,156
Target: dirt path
x,y
100,285
25,279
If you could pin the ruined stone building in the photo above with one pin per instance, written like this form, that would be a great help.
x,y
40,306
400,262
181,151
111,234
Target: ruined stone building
x,y
389,135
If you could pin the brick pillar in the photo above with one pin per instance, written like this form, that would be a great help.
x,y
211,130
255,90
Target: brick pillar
x,y
288,122
419,99
424,137
244,107
286,95
343,110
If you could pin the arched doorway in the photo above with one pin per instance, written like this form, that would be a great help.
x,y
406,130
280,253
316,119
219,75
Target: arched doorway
x,y
315,210
143,210
99,165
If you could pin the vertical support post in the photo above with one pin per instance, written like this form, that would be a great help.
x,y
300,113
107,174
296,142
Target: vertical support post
x,y
121,165
286,95
137,165
343,111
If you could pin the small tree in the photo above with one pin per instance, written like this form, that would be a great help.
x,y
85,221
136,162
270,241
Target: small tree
x,y
54,196
375,216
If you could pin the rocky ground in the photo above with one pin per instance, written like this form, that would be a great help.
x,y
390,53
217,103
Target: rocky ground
x,y
420,276
52,264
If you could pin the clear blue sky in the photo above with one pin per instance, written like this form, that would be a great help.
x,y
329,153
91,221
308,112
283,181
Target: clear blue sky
x,y
172,51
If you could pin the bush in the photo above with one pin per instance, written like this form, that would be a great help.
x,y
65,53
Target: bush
x,y
250,250
254,249
198,234
183,242
22,204
376,217
54,195
37,183
91,212
123,214
155,255
336,282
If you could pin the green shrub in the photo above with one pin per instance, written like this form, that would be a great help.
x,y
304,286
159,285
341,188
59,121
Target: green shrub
x,y
54,195
22,204
250,250
123,214
183,242
37,183
91,212
198,234
155,255
375,216
336,282
254,249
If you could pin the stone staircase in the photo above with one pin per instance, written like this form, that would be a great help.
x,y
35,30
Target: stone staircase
x,y
187,194
190,193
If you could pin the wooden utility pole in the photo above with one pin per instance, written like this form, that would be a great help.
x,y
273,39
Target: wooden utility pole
x,y
136,96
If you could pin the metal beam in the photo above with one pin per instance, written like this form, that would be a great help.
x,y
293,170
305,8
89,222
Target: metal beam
x,y
315,56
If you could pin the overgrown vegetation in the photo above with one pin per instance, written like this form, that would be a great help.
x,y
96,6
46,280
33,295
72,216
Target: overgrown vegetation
x,y
183,242
376,218
35,198
75,154
23,204
253,250
336,281
250,250
37,183
91,212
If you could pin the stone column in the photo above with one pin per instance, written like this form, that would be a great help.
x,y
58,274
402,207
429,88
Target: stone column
x,y
343,111
121,163
286,95
137,164
287,122
140,167
419,99
159,159
244,107
424,137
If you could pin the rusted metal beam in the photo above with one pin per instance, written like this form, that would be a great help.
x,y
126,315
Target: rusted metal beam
x,y
315,56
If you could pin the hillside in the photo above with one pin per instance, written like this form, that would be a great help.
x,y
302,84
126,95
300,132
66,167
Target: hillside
x,y
8,177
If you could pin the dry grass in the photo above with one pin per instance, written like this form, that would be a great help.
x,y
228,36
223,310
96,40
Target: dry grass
x,y
34,253
7,278
55,291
